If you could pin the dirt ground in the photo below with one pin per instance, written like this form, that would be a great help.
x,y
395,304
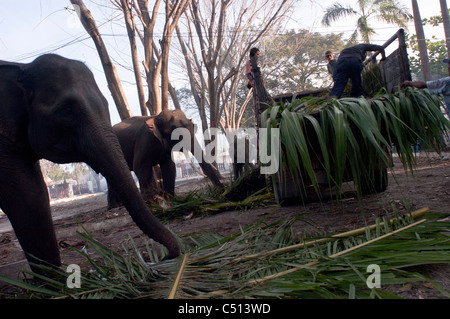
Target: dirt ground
x,y
428,187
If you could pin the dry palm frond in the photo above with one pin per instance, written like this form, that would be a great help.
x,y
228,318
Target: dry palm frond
x,y
263,261
248,191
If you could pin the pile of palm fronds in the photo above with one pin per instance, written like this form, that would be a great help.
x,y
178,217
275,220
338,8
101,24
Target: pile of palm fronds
x,y
248,191
352,138
261,261
372,79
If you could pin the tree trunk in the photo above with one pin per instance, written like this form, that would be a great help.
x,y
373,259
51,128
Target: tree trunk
x,y
112,77
199,101
150,64
134,56
174,97
165,45
446,22
174,10
423,52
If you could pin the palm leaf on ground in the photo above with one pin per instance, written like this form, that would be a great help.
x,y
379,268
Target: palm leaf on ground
x,y
265,261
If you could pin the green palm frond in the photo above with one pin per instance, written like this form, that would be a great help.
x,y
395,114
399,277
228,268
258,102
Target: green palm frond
x,y
372,79
264,261
394,12
355,135
335,12
364,29
389,11
353,37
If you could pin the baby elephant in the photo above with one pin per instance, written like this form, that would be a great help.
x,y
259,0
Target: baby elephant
x,y
146,142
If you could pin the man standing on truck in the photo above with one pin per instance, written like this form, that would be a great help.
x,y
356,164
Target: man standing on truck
x,y
350,66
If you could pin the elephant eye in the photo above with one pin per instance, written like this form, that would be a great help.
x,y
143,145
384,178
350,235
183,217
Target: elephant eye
x,y
67,113
64,110
67,107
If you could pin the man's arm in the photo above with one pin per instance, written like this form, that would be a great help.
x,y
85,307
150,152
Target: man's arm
x,y
416,84
376,47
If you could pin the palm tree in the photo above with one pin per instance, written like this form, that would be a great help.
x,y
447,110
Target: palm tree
x,y
421,42
389,11
446,23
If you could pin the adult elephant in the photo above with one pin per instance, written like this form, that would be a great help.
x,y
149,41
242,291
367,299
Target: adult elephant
x,y
146,141
52,108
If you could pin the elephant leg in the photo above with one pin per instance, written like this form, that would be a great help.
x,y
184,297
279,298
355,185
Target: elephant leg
x,y
169,172
147,183
114,200
24,199
238,169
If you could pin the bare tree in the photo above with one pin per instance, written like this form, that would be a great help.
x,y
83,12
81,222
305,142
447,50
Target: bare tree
x,y
111,75
130,24
156,61
215,43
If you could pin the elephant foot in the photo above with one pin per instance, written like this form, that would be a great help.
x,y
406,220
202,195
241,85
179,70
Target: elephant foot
x,y
113,199
111,207
153,195
114,204
158,199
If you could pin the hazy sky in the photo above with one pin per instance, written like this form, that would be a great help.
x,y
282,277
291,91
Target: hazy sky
x,y
29,28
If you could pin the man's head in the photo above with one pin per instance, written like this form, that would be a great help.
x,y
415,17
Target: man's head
x,y
329,56
254,52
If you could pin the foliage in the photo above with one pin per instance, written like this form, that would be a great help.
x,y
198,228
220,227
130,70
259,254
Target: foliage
x,y
215,51
351,138
261,261
434,20
59,173
248,191
372,79
52,170
294,61
290,62
389,11
437,51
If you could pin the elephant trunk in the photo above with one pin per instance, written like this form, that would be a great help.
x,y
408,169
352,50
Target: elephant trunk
x,y
108,159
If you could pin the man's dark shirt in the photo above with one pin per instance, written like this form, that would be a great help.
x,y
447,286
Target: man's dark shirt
x,y
359,51
331,66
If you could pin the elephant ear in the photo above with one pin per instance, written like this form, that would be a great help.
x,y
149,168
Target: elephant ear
x,y
13,107
152,126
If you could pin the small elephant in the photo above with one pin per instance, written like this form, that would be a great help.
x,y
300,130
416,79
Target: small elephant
x,y
52,108
146,141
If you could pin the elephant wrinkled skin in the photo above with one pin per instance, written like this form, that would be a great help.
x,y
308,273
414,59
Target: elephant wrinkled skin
x,y
52,108
146,141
